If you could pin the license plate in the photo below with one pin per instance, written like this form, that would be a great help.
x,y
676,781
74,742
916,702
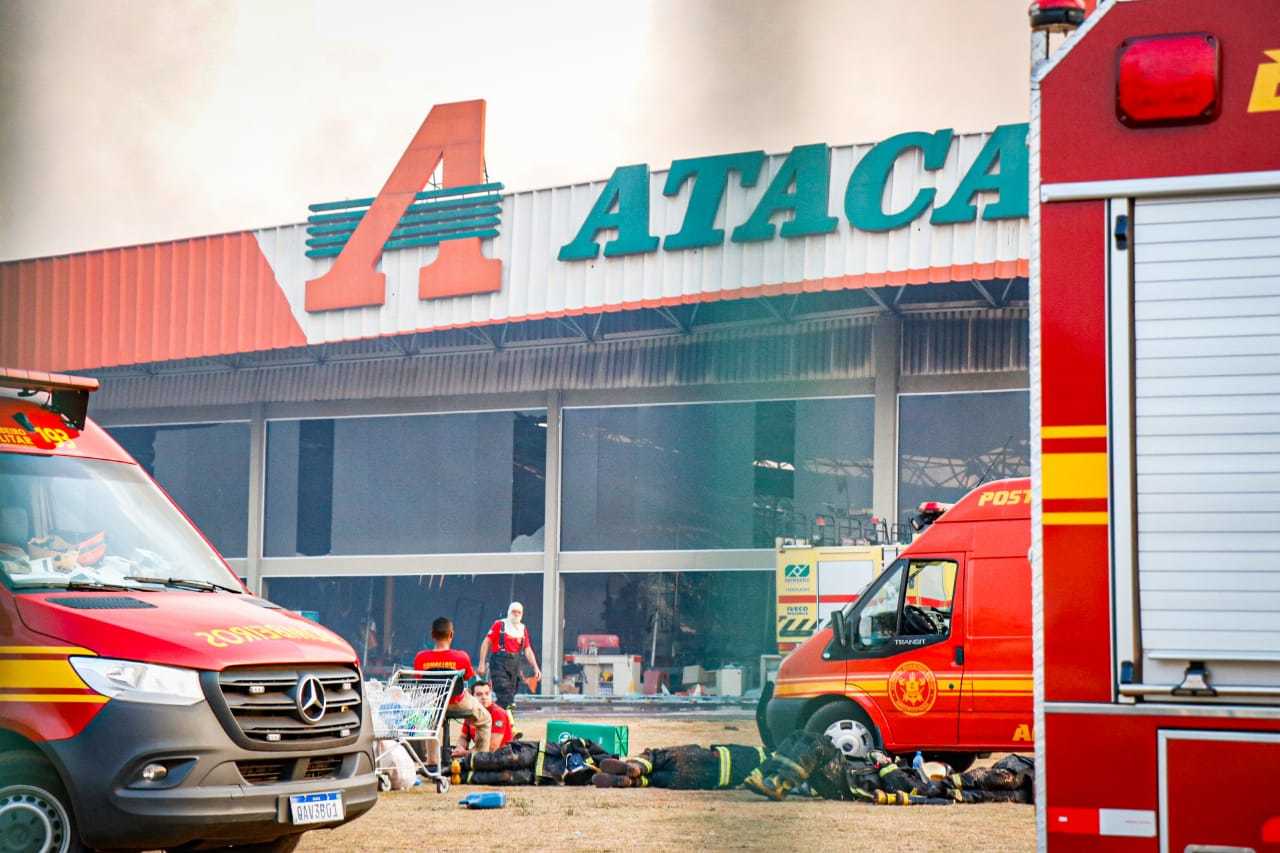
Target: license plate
x,y
323,807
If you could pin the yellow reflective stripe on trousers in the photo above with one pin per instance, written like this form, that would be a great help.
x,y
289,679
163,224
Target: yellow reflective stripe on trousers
x,y
725,763
542,757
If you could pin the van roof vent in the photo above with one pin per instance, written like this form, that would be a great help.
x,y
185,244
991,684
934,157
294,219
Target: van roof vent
x,y
105,602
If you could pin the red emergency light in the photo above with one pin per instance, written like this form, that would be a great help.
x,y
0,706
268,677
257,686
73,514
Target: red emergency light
x,y
1168,80
1057,15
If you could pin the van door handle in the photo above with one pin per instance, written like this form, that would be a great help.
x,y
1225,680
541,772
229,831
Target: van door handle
x,y
959,656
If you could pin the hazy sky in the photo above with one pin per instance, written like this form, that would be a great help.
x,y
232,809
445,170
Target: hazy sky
x,y
128,122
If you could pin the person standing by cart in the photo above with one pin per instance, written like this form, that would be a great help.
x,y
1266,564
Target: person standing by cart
x,y
500,652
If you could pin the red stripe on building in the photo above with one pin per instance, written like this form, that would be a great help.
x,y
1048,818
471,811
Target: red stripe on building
x,y
206,296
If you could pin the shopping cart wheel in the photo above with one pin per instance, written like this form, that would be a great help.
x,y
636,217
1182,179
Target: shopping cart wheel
x,y
384,782
442,785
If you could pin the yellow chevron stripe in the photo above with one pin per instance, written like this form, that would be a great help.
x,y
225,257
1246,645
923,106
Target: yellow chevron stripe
x,y
1075,518
92,698
45,650
808,688
1074,475
39,673
1078,431
1000,683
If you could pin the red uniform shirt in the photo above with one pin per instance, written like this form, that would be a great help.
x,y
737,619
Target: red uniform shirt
x,y
500,641
500,735
446,659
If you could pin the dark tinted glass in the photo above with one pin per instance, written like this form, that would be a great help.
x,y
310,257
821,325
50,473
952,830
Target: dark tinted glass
x,y
676,619
950,443
205,467
724,475
387,620
419,484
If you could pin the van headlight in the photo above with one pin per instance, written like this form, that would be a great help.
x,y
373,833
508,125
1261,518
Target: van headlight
x,y
131,681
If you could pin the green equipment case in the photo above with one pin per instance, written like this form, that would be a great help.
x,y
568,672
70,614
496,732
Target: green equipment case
x,y
615,739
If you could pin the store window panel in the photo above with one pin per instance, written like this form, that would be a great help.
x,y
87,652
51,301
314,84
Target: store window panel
x,y
205,468
670,621
948,444
712,476
387,619
459,483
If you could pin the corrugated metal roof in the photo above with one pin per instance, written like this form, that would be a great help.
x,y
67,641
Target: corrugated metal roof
x,y
833,349
960,341
183,299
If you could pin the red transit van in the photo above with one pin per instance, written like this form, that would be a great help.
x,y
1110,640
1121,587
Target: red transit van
x,y
935,654
146,698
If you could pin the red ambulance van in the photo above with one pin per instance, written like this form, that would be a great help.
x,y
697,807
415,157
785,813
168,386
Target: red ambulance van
x,y
146,698
935,654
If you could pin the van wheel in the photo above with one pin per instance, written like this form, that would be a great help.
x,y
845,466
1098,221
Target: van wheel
x,y
35,810
847,726
762,719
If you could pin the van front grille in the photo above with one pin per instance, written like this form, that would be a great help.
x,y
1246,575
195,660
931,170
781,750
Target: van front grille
x,y
325,767
265,772
263,704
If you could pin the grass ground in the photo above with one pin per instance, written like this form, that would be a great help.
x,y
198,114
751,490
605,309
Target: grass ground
x,y
650,819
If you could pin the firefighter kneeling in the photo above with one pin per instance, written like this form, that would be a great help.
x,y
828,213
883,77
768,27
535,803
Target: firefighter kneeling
x,y
808,759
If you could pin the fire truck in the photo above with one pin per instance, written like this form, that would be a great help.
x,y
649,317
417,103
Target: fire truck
x,y
1155,377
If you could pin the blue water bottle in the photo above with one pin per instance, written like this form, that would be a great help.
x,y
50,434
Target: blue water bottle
x,y
484,800
918,763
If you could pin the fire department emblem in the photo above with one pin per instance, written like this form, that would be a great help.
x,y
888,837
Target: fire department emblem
x,y
913,689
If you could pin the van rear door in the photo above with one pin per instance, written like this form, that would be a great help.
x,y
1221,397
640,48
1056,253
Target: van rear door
x,y
996,707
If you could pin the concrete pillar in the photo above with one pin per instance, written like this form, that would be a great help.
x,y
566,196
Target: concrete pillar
x,y
552,657
885,348
257,498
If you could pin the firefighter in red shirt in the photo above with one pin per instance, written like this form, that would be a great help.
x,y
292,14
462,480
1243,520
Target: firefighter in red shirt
x,y
462,705
507,638
500,734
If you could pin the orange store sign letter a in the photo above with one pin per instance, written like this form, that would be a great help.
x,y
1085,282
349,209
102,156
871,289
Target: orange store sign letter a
x,y
454,132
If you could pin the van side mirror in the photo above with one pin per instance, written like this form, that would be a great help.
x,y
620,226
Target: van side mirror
x,y
840,629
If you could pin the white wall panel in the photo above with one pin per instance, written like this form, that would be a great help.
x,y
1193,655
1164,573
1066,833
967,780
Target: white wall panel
x,y
535,224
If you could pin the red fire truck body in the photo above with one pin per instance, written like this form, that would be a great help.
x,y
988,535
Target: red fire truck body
x,y
1155,313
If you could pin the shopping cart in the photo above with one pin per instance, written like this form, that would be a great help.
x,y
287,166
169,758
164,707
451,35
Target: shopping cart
x,y
411,706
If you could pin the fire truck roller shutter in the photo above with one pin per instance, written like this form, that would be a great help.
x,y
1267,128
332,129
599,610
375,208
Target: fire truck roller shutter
x,y
1206,391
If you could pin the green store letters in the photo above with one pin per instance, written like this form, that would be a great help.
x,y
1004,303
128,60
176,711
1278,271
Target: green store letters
x,y
798,194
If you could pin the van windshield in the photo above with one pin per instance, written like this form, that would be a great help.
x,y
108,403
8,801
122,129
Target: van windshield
x,y
67,523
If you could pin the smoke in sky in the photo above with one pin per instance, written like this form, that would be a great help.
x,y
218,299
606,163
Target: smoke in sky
x,y
124,121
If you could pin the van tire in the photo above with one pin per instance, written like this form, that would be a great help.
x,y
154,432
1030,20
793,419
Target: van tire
x,y
844,716
32,793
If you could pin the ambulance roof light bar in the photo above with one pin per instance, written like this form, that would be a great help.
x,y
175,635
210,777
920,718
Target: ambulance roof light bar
x,y
68,395
927,513
1168,80
1057,16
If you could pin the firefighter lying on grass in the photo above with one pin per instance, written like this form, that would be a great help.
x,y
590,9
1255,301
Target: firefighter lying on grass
x,y
812,760
577,761
803,763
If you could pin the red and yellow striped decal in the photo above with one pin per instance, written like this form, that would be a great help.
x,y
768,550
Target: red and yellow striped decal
x,y
43,674
877,685
1076,474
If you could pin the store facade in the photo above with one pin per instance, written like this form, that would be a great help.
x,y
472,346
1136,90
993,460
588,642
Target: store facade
x,y
604,400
